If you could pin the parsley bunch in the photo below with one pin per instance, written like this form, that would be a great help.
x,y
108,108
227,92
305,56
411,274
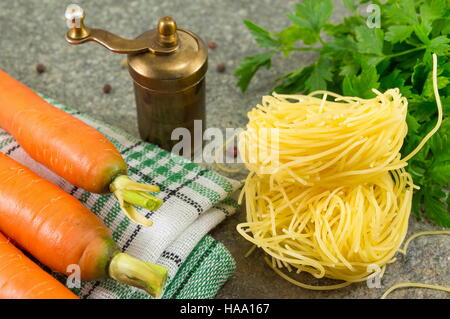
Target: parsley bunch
x,y
353,59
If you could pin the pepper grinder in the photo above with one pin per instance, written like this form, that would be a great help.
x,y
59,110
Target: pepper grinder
x,y
168,66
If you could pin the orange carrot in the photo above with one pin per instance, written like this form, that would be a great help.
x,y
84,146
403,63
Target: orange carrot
x,y
60,232
70,148
21,278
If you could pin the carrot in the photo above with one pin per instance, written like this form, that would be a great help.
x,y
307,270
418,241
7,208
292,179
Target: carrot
x,y
21,278
60,232
70,148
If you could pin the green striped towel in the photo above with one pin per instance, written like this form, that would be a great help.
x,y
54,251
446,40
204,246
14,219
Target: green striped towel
x,y
195,201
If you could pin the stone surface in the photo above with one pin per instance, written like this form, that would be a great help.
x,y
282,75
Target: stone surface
x,y
33,33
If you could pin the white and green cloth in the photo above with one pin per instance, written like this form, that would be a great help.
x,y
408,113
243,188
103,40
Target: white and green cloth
x,y
195,201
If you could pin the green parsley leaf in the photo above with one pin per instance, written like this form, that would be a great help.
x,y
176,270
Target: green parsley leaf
x,y
294,33
294,81
422,31
441,173
398,33
440,45
362,84
436,210
419,76
402,12
413,125
428,86
369,41
392,80
446,26
319,76
431,11
262,37
312,14
250,66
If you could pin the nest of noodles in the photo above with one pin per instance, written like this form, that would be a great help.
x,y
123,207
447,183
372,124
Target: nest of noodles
x,y
327,191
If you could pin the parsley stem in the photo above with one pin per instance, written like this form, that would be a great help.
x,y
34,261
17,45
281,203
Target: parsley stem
x,y
405,52
306,49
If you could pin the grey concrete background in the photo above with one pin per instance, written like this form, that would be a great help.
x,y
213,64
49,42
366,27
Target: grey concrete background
x,y
32,32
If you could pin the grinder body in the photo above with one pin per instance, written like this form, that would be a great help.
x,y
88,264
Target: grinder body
x,y
168,66
170,89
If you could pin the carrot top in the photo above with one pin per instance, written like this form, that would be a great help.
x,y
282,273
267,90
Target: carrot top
x,y
130,193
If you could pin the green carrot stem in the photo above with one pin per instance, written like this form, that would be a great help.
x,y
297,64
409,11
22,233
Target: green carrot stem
x,y
124,182
141,199
137,273
130,193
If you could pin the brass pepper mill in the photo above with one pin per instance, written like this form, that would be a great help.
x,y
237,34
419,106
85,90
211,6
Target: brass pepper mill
x,y
168,66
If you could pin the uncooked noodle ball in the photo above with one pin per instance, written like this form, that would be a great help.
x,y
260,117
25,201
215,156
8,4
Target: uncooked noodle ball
x,y
327,192
344,233
315,141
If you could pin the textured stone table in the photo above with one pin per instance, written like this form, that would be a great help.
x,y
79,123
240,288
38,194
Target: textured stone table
x,y
33,32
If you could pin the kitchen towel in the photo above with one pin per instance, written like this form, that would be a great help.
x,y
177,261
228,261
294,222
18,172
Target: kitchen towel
x,y
195,201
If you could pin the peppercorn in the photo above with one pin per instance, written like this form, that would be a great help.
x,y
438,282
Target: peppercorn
x,y
107,89
233,151
221,68
40,68
212,44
